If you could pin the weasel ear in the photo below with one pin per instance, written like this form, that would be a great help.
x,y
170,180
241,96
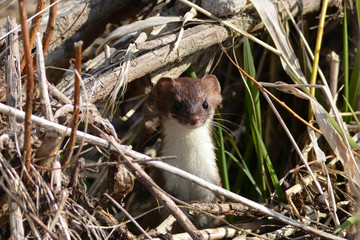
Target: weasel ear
x,y
211,83
162,87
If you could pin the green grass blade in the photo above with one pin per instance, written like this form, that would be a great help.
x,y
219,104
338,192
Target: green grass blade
x,y
355,75
190,72
243,166
221,158
270,167
358,11
355,81
352,143
352,112
253,113
347,223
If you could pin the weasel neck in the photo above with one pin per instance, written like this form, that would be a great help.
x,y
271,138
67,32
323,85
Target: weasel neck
x,y
194,149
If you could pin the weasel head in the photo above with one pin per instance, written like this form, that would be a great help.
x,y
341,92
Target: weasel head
x,y
190,101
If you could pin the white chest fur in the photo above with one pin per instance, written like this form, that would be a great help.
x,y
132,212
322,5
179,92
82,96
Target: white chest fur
x,y
195,154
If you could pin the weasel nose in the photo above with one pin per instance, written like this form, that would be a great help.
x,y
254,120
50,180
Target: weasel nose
x,y
194,120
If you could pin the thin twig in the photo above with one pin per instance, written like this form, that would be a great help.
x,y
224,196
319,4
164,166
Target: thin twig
x,y
32,17
27,213
139,161
75,118
128,215
317,184
75,176
64,196
38,221
72,25
50,26
29,85
58,94
35,24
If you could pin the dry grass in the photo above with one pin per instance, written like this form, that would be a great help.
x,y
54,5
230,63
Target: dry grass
x,y
287,175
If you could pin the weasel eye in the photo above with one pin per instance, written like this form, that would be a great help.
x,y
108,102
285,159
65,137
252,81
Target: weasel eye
x,y
205,105
177,105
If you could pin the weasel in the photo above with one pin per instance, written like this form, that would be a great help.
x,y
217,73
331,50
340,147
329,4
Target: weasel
x,y
186,108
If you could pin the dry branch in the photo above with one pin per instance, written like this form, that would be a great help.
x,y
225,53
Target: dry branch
x,y
166,167
199,38
79,20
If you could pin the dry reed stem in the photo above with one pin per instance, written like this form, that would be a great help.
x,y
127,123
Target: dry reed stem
x,y
334,73
303,39
29,85
75,118
315,65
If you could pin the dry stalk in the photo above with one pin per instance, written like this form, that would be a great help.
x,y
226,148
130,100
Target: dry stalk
x,y
128,215
47,194
50,26
38,221
75,176
29,19
75,118
29,85
35,24
15,218
213,234
44,94
58,94
334,73
304,41
317,50
12,72
64,196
